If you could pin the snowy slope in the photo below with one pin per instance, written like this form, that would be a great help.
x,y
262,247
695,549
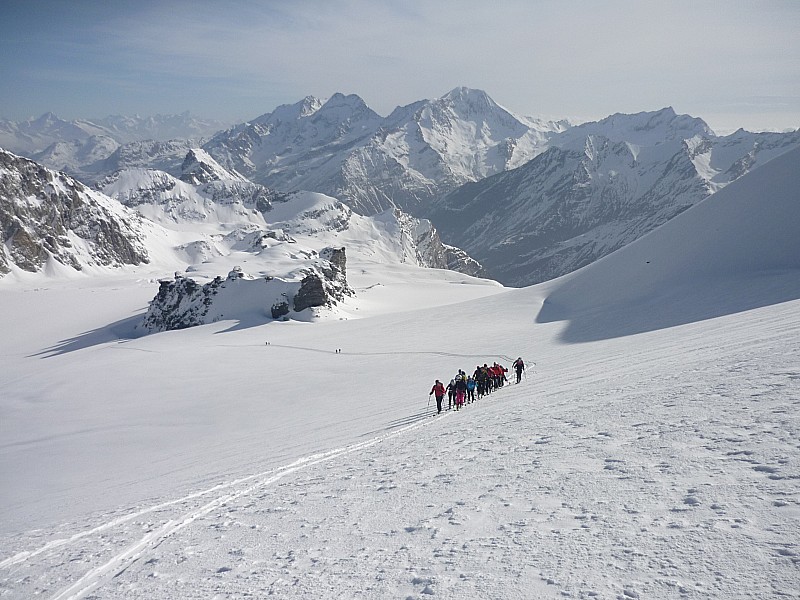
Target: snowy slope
x,y
170,201
229,213
227,461
82,158
736,250
35,135
431,147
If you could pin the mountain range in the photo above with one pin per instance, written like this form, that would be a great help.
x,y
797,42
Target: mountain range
x,y
598,187
36,135
529,199
344,149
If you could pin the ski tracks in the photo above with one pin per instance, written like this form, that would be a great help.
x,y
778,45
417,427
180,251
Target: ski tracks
x,y
53,551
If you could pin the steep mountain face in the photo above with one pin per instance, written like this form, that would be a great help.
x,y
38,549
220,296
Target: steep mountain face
x,y
285,148
599,187
530,200
721,160
165,156
343,149
421,245
45,214
391,236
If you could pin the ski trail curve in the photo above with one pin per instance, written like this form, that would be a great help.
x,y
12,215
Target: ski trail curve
x,y
55,544
119,563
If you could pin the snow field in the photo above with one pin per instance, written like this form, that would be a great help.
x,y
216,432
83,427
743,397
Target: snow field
x,y
658,465
667,468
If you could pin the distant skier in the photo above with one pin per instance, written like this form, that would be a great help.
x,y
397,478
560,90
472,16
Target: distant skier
x,y
439,391
519,366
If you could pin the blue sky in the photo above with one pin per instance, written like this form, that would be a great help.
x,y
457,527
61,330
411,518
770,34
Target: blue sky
x,y
731,62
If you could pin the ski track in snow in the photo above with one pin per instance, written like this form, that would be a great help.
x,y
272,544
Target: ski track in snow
x,y
155,535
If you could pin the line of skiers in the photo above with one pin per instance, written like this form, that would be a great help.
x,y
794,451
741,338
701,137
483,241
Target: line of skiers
x,y
466,389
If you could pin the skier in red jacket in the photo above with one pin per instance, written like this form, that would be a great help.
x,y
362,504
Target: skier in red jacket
x,y
439,390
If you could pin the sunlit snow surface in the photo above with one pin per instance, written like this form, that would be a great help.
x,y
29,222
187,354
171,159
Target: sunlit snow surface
x,y
653,450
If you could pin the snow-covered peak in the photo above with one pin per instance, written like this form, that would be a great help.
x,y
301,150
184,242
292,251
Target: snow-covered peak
x,y
34,135
309,213
349,109
190,203
401,114
77,156
200,167
643,128
474,106
47,119
471,99
291,112
352,101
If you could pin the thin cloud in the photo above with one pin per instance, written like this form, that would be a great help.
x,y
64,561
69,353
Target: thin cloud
x,y
536,57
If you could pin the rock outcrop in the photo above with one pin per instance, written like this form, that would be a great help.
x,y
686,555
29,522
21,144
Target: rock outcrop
x,y
182,302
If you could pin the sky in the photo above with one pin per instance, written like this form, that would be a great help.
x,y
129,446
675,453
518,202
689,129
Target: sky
x,y
733,63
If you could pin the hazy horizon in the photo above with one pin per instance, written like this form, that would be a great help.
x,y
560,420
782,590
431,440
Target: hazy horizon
x,y
733,65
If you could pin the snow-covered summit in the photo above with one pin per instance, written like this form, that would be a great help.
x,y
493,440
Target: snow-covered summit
x,y
199,167
291,112
343,149
643,128
295,137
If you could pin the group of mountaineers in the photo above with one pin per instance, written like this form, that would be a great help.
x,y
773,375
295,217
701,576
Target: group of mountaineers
x,y
466,389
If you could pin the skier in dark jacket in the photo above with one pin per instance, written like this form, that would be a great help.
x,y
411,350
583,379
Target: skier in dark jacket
x,y
461,391
451,393
519,365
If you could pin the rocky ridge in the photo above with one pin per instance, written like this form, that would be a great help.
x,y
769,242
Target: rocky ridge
x,y
48,215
